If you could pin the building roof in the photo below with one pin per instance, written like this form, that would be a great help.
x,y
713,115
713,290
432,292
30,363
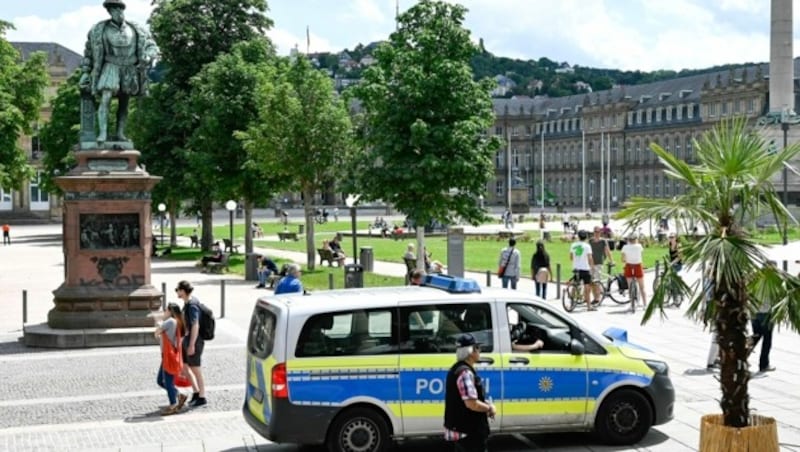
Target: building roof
x,y
57,53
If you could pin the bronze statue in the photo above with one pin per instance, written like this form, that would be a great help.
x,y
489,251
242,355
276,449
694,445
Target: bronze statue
x,y
115,62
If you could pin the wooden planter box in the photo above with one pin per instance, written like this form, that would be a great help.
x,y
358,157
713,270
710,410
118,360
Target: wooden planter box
x,y
760,436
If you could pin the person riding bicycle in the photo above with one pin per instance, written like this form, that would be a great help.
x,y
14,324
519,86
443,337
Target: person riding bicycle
x,y
675,253
632,258
600,251
580,254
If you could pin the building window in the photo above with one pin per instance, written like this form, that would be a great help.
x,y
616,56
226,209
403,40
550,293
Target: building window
x,y
38,196
712,110
737,106
689,156
724,109
499,188
637,155
646,185
498,130
678,148
751,105
528,131
499,160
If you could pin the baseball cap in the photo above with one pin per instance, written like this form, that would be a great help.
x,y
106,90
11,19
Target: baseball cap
x,y
466,340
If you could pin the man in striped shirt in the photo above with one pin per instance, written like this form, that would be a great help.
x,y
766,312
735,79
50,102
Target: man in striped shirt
x,y
466,410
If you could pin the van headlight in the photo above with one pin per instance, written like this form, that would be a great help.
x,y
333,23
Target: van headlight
x,y
659,367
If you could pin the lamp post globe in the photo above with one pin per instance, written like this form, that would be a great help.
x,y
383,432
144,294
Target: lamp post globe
x,y
161,209
231,206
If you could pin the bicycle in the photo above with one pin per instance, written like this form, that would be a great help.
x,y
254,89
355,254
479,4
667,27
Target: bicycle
x,y
573,294
611,286
673,297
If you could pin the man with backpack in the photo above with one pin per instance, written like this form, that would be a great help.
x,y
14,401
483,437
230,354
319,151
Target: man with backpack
x,y
194,341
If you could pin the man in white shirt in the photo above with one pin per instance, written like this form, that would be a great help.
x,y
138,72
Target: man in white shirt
x,y
510,260
580,254
632,258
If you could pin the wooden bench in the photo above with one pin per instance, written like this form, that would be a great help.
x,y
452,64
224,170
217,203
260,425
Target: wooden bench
x,y
326,255
230,247
284,236
218,267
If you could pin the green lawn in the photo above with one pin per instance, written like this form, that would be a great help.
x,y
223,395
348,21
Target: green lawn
x,y
312,280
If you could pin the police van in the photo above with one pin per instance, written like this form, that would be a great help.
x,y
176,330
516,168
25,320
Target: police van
x,y
357,369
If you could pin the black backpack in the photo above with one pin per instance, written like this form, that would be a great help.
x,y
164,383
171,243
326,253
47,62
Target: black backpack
x,y
207,322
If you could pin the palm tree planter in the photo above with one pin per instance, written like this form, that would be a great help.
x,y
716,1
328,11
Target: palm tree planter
x,y
730,184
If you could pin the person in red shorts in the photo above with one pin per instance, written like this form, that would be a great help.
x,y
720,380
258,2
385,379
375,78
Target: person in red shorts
x,y
632,258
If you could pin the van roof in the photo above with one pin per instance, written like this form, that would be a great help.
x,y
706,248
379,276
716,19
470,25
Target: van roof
x,y
369,298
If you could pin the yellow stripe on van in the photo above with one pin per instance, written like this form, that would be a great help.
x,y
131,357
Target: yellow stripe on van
x,y
534,407
616,361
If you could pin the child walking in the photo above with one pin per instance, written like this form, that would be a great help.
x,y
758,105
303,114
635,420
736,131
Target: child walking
x,y
171,332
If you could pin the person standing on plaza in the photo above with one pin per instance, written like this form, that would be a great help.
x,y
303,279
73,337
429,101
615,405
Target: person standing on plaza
x,y
466,408
540,269
762,330
6,234
170,333
291,282
193,343
600,251
509,262
580,254
632,258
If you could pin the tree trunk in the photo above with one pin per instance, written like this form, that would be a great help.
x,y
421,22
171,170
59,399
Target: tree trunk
x,y
308,214
420,246
207,213
248,227
731,323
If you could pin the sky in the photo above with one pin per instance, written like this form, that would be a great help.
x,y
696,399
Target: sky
x,y
623,34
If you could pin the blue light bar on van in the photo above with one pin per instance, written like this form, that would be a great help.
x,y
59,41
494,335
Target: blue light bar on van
x,y
452,284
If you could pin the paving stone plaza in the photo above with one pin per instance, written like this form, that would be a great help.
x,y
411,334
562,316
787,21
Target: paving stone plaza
x,y
107,399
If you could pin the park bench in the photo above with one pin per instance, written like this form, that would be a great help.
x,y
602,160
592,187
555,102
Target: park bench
x,y
284,236
230,247
218,267
326,255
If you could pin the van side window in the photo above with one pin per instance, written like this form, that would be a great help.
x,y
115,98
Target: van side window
x,y
360,332
435,328
262,333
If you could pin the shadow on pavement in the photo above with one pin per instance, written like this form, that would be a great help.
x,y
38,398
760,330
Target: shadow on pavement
x,y
41,239
698,372
16,347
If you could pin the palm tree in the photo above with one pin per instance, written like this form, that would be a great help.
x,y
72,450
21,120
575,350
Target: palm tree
x,y
731,184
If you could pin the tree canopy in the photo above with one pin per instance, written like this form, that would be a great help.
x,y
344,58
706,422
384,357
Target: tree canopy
x,y
60,133
302,135
424,119
22,85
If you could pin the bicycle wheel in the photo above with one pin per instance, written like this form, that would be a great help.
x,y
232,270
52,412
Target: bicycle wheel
x,y
568,297
634,291
599,284
617,294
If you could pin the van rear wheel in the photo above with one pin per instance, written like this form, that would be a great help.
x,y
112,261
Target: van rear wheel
x,y
624,418
359,430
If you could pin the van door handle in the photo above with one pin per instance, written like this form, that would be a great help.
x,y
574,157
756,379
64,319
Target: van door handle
x,y
519,360
486,360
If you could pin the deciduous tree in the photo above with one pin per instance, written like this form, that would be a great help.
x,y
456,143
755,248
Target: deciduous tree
x,y
425,120
22,85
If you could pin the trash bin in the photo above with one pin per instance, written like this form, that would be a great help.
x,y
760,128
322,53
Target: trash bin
x,y
353,276
301,229
366,258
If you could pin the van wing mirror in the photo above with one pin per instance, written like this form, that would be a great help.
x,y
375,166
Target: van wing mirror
x,y
576,347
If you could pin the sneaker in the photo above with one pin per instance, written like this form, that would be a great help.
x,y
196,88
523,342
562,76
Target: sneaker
x,y
195,396
260,286
170,410
199,402
767,369
181,401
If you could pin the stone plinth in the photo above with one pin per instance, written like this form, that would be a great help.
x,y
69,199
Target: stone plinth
x,y
107,245
519,200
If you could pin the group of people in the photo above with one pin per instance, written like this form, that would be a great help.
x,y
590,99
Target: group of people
x,y
289,275
431,265
181,351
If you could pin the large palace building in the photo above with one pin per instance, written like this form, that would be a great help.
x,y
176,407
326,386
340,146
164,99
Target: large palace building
x,y
569,137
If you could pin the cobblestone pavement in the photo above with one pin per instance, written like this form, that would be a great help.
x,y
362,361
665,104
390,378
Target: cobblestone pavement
x,y
107,399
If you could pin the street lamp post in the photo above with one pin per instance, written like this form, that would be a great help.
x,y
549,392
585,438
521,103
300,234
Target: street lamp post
x,y
231,206
351,201
161,209
785,129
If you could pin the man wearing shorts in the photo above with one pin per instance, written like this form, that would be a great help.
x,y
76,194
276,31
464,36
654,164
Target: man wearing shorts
x,y
580,254
632,258
600,252
193,344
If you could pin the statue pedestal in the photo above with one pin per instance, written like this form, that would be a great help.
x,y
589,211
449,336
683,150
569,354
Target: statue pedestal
x,y
107,244
519,200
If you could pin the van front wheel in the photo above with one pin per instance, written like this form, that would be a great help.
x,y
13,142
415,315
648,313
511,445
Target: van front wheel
x,y
624,418
359,430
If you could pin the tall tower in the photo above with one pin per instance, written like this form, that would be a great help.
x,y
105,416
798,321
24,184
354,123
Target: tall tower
x,y
781,57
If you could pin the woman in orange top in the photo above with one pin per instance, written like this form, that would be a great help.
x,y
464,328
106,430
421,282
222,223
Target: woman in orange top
x,y
171,332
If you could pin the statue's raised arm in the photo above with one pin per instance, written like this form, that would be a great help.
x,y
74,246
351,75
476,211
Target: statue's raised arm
x,y
116,60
